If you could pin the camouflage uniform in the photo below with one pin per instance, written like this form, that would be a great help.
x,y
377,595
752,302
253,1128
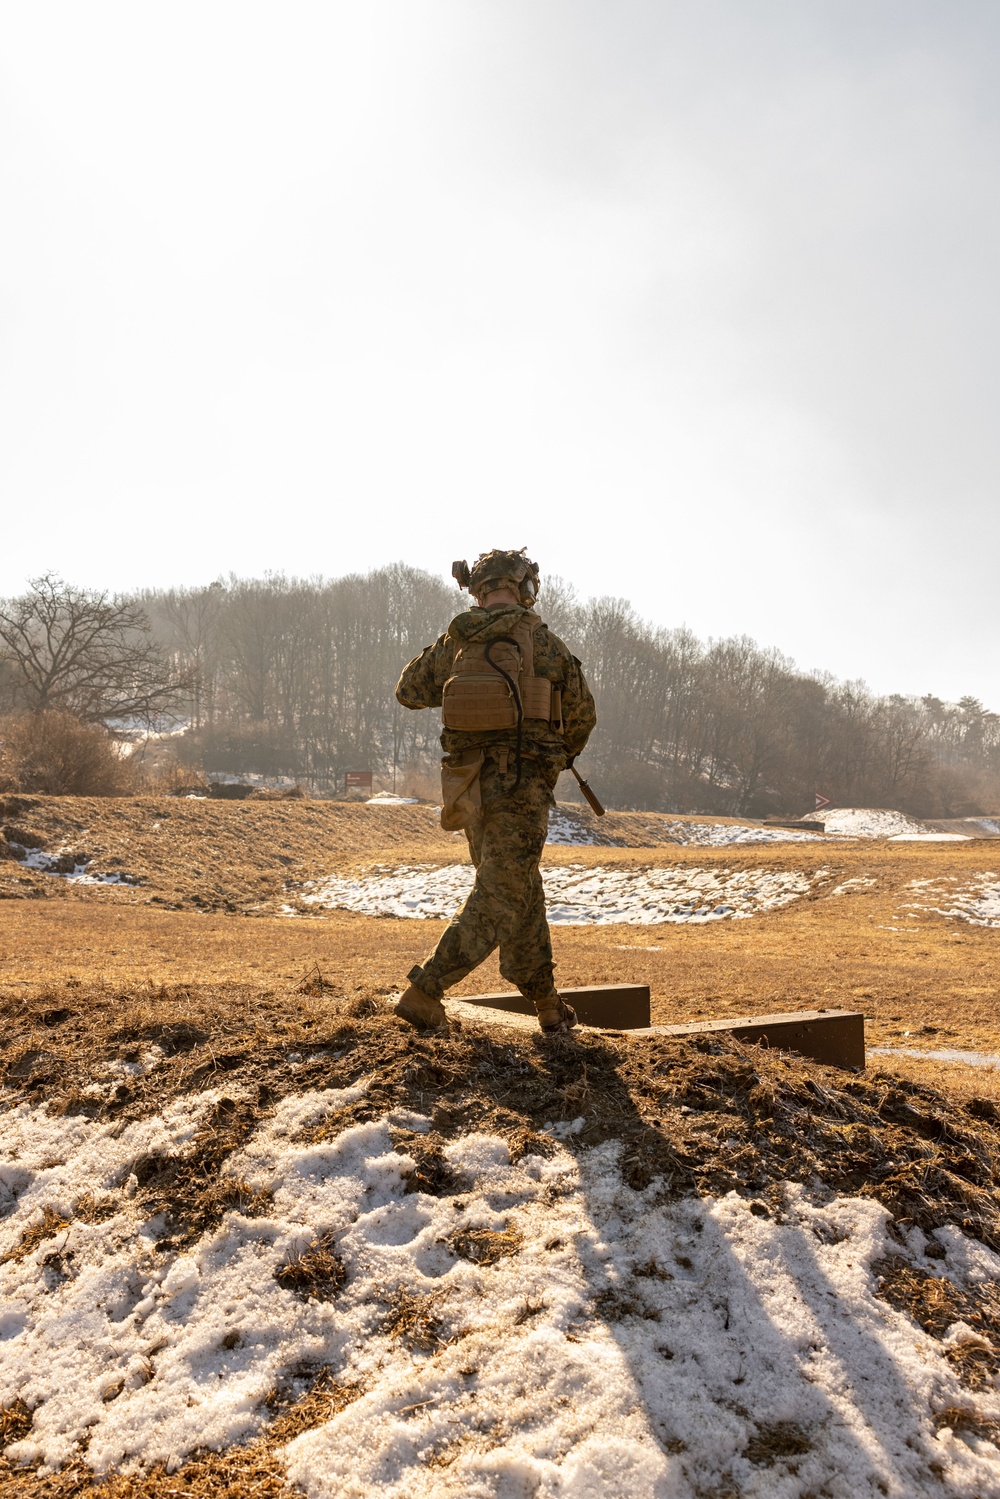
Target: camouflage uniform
x,y
506,908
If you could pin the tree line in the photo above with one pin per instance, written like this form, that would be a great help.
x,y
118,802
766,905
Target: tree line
x,y
294,677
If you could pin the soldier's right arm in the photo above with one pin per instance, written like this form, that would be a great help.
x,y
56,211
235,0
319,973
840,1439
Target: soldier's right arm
x,y
421,682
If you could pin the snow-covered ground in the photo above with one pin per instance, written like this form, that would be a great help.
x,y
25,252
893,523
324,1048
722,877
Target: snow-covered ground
x,y
722,834
867,822
930,837
76,874
567,826
858,882
575,895
624,1343
976,900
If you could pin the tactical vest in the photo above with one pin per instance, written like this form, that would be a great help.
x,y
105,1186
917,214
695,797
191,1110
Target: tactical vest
x,y
478,695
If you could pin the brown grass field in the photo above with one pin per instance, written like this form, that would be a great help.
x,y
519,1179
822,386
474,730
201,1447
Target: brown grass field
x,y
923,981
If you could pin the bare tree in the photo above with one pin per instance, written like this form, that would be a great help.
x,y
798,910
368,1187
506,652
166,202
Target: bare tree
x,y
186,620
81,652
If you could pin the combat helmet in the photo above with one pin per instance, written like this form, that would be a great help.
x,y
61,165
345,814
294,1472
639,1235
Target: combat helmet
x,y
500,569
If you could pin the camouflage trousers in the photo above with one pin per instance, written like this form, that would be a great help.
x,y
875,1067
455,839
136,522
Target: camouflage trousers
x,y
506,907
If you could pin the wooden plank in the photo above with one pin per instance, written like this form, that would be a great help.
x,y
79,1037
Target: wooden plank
x,y
836,1037
619,1007
798,822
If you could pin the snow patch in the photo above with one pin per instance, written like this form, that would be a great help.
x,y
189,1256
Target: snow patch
x,y
940,1054
628,1344
976,900
76,874
867,822
724,834
930,838
575,895
859,882
568,826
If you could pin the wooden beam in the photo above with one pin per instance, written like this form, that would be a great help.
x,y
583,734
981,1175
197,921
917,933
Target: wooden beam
x,y
616,1007
836,1037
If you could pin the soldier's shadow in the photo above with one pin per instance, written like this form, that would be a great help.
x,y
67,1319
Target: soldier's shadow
x,y
759,1355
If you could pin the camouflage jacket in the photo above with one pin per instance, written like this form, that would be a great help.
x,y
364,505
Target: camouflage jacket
x,y
421,684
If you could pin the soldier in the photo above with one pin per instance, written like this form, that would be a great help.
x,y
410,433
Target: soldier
x,y
515,712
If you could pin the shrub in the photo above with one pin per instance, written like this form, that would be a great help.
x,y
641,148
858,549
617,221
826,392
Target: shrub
x,y
55,754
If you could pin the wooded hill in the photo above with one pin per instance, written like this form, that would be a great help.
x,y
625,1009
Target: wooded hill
x,y
295,677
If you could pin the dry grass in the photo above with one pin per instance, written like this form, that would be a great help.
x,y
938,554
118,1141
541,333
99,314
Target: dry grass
x,y
15,1423
49,1225
962,1418
935,1303
206,855
924,981
485,1246
781,1439
415,1320
90,1209
255,1471
308,1397
317,1274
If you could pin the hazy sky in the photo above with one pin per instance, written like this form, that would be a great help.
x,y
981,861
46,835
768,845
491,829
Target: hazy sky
x,y
697,300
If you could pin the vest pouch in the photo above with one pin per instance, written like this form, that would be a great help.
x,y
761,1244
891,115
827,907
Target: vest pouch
x,y
475,701
536,697
461,797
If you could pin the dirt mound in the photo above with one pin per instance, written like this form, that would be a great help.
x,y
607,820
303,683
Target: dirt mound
x,y
673,1180
503,1198
709,1115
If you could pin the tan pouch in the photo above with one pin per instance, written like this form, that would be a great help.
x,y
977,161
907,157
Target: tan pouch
x,y
536,697
477,701
461,798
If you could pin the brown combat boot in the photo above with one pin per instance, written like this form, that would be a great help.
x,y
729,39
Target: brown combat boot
x,y
419,1009
554,1014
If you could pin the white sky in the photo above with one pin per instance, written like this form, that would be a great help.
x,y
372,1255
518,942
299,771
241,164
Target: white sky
x,y
697,300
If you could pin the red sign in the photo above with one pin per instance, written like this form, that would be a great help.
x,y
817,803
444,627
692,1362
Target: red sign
x,y
357,780
822,801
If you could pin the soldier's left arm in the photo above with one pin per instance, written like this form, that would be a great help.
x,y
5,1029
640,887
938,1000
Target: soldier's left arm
x,y
555,660
579,712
